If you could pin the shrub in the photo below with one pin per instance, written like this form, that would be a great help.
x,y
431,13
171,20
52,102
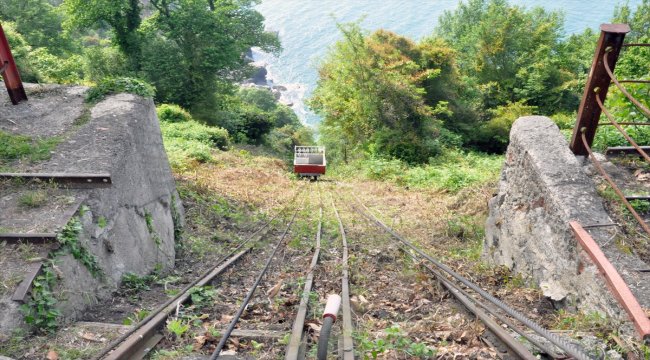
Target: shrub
x,y
172,113
190,141
110,86
194,131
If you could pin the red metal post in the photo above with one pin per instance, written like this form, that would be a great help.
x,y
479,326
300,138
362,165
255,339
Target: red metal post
x,y
10,72
610,42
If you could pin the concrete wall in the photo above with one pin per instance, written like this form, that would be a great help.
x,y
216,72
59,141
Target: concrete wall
x,y
121,137
543,186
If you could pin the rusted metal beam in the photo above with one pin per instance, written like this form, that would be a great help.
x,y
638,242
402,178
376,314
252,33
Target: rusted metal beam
x,y
637,197
614,281
23,288
10,72
610,42
624,150
29,238
87,180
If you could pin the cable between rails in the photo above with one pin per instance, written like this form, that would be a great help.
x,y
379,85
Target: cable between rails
x,y
569,348
348,343
251,292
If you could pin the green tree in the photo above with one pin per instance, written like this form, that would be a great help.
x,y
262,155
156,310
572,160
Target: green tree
x,y
203,45
371,94
508,54
40,23
123,17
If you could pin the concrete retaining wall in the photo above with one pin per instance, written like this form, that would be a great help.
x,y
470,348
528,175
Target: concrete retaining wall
x,y
543,186
128,227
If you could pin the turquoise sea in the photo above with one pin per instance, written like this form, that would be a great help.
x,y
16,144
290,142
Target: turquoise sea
x,y
308,27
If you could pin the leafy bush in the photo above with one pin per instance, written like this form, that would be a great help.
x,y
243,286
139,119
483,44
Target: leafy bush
x,y
172,113
111,86
191,141
194,131
53,69
100,62
495,134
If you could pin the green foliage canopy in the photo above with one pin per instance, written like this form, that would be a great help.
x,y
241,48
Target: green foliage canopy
x,y
370,93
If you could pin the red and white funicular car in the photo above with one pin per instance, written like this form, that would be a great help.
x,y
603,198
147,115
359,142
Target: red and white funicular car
x,y
309,161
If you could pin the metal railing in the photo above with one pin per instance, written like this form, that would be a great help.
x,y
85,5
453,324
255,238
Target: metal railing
x,y
592,105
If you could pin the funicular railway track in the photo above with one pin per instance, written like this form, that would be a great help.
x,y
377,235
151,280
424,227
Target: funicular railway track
x,y
140,340
495,314
453,282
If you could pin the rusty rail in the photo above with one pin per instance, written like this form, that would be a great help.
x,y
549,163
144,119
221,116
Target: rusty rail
x,y
614,281
84,180
348,343
10,72
561,343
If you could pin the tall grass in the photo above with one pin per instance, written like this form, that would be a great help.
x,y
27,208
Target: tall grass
x,y
452,171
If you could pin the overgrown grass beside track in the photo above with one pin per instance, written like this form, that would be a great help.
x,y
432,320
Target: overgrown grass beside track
x,y
451,172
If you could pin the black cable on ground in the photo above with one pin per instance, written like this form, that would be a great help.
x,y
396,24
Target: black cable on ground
x,y
324,338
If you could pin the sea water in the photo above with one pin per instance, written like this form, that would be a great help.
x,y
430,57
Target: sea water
x,y
307,29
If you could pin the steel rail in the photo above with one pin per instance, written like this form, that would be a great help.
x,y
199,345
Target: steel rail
x,y
293,348
635,81
470,303
616,189
251,292
621,130
161,308
636,102
133,344
627,124
635,45
511,342
569,348
348,343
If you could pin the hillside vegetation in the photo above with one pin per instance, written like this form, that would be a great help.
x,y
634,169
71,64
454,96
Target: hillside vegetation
x,y
382,95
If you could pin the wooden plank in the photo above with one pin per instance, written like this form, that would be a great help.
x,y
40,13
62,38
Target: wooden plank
x,y
25,286
614,281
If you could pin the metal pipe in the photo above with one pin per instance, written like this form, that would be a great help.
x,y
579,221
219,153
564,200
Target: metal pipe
x,y
10,72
